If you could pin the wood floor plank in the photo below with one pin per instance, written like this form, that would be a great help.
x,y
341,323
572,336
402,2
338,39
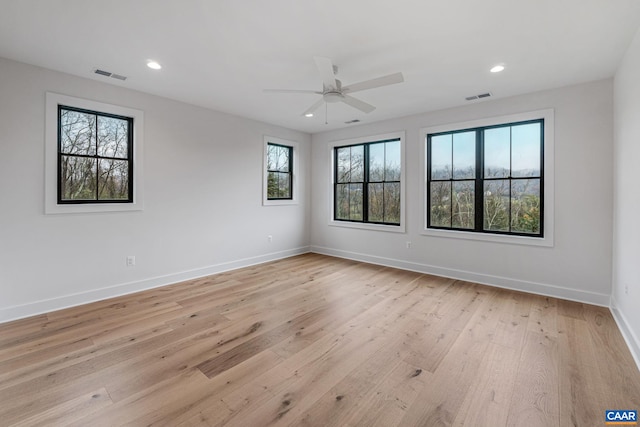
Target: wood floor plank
x,y
318,341
535,399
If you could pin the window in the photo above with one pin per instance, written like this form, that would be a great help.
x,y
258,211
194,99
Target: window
x,y
95,161
489,179
280,180
279,172
368,182
93,156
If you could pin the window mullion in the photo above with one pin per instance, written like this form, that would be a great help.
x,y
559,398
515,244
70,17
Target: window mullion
x,y
365,184
479,185
97,161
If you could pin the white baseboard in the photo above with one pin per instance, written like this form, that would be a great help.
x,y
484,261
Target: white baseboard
x,y
627,333
45,306
485,279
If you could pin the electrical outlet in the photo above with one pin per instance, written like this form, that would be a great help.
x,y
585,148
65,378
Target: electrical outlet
x,y
131,261
270,238
408,245
626,289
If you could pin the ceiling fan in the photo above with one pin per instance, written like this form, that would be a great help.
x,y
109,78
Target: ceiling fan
x,y
333,91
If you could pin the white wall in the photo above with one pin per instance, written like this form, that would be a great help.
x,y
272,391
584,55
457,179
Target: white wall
x,y
203,196
626,234
578,267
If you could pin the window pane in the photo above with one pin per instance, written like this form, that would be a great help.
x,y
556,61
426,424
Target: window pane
x,y
113,179
342,201
272,185
392,202
497,152
284,191
282,161
357,163
376,162
392,161
463,204
525,150
440,194
78,178
278,158
77,133
376,202
525,206
355,202
113,137
441,157
344,164
271,156
464,155
496,205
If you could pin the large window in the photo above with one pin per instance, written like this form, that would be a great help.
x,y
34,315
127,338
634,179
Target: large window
x,y
95,157
279,172
487,179
367,182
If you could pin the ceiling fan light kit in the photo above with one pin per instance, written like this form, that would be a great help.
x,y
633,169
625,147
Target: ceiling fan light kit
x,y
333,91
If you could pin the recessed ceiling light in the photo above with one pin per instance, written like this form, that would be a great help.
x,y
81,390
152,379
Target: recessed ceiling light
x,y
497,68
153,65
309,115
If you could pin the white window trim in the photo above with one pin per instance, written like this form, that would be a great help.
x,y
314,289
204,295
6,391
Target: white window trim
x,y
51,205
265,174
366,226
548,239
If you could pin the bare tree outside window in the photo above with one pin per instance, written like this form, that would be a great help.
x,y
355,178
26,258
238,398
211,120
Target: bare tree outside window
x,y
94,157
487,179
279,172
367,182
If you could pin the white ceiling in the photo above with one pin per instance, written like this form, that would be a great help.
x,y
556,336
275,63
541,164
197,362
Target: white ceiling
x,y
221,54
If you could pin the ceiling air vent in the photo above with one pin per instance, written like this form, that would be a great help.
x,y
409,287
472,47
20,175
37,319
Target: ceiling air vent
x,y
352,121
110,74
482,95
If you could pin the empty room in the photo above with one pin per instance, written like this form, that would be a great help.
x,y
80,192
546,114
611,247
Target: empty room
x,y
357,213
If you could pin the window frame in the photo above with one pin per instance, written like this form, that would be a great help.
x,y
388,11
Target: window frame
x,y
289,173
333,146
97,157
547,179
52,203
293,168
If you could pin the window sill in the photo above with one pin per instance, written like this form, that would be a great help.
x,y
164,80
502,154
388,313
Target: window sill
x,y
372,227
494,238
52,208
279,202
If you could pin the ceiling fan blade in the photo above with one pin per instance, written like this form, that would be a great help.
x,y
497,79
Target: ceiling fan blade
x,y
291,91
357,104
314,107
374,83
325,67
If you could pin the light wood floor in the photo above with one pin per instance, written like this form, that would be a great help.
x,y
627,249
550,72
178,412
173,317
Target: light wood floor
x,y
319,341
